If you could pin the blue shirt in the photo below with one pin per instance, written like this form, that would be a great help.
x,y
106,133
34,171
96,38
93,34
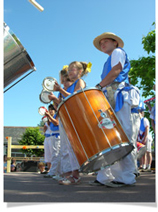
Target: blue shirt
x,y
123,76
71,88
54,127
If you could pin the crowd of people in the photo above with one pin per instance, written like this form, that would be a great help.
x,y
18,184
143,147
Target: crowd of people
x,y
124,98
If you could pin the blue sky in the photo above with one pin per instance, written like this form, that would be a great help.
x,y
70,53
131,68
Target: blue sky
x,y
64,32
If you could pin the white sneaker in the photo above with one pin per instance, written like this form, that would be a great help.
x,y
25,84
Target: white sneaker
x,y
57,177
48,175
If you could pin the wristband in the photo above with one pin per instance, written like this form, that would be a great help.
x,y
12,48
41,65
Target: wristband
x,y
99,86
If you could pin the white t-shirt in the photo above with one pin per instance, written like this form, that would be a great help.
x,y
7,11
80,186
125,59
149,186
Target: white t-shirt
x,y
118,55
48,130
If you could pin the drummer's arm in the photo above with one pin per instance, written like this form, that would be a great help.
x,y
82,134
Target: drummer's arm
x,y
57,87
55,121
53,98
64,92
112,75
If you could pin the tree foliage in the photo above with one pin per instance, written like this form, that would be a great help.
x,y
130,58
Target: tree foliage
x,y
41,124
32,136
142,71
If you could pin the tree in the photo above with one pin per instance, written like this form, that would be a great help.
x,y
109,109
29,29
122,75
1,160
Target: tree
x,y
32,136
41,124
142,71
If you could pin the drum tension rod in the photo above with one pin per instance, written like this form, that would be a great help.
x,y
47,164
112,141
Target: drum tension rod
x,y
20,80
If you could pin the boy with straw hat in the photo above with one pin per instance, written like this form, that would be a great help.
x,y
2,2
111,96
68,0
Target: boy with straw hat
x,y
115,83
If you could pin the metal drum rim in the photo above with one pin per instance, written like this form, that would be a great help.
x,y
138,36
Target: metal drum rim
x,y
41,99
74,93
91,159
44,86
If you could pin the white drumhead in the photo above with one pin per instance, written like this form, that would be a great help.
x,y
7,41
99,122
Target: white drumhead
x,y
44,97
48,83
44,119
42,110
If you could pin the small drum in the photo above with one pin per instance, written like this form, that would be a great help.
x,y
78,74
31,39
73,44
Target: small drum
x,y
48,84
95,134
44,119
42,110
44,97
141,149
16,59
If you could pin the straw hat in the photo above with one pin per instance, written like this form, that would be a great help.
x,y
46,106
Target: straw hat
x,y
111,35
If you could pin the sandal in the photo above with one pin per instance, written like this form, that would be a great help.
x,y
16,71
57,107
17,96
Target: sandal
x,y
71,180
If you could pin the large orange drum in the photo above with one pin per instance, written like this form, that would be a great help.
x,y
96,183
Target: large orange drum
x,y
93,130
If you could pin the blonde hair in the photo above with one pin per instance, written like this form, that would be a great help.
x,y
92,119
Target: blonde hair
x,y
80,66
64,73
41,164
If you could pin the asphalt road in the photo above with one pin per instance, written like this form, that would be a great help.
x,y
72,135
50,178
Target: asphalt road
x,y
33,187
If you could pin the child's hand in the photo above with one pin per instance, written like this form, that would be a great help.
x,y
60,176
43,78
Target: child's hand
x,y
56,87
51,96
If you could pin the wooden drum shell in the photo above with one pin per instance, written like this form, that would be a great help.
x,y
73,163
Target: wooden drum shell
x,y
93,146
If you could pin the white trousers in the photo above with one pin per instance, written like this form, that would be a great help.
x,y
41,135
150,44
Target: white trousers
x,y
135,129
55,159
48,149
68,159
123,170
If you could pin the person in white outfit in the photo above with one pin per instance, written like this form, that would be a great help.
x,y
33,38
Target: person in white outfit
x,y
145,138
52,143
69,165
114,81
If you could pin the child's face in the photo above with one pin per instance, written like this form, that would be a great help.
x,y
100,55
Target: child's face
x,y
107,45
66,83
52,112
74,73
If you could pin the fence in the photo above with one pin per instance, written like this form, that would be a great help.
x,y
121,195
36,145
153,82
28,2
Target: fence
x,y
10,147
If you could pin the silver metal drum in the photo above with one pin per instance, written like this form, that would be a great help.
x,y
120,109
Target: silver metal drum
x,y
48,84
16,59
44,97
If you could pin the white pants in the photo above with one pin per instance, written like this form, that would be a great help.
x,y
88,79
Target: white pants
x,y
48,149
68,159
123,170
135,129
55,159
149,143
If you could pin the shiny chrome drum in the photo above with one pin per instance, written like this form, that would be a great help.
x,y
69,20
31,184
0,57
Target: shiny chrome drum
x,y
44,97
16,59
48,84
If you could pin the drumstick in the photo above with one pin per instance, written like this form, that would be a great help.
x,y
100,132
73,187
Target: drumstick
x,y
38,6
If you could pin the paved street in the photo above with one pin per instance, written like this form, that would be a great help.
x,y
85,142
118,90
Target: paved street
x,y
33,187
